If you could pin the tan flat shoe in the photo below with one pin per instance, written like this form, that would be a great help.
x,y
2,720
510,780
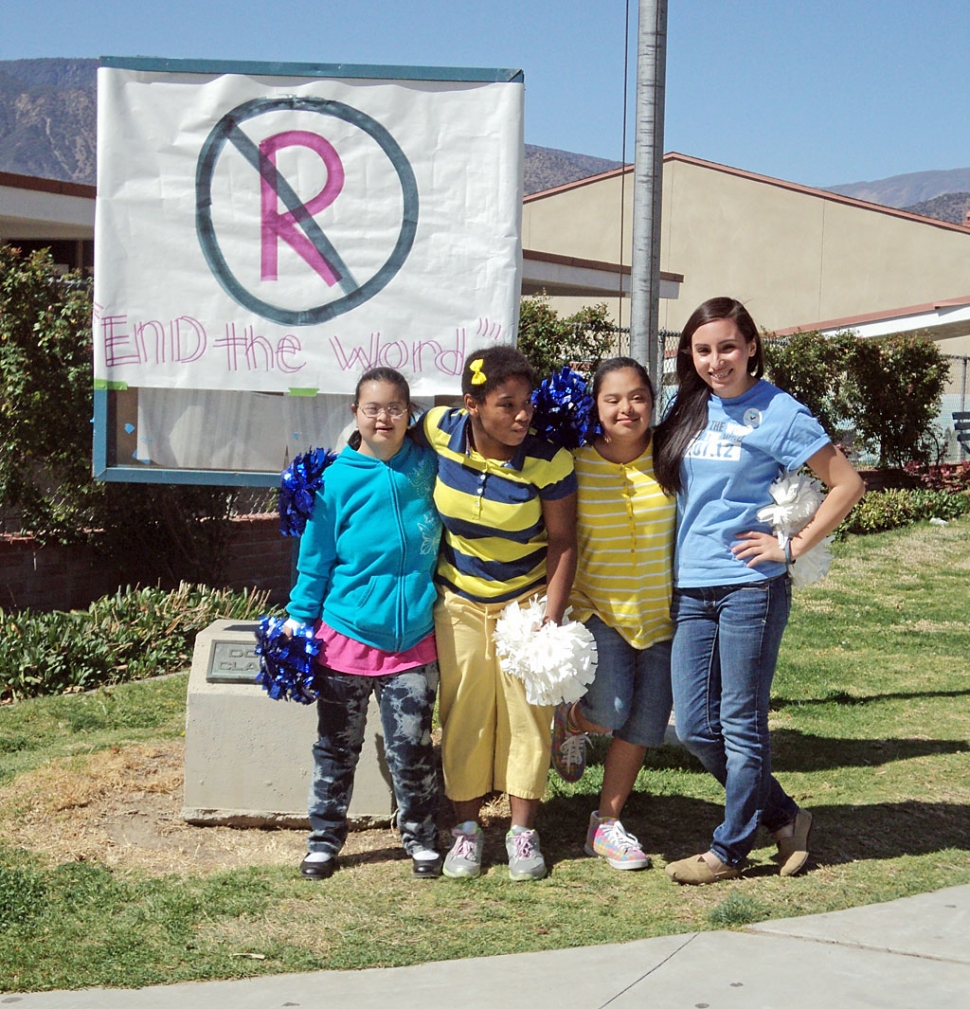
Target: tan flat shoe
x,y
793,851
695,871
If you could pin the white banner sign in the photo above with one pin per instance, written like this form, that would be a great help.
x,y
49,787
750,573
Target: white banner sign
x,y
277,234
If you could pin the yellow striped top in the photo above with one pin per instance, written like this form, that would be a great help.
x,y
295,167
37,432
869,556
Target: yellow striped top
x,y
625,532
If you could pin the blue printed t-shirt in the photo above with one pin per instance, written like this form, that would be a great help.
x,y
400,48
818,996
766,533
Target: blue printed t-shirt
x,y
749,441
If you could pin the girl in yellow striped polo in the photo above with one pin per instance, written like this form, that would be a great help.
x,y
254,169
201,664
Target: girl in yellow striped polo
x,y
507,501
622,591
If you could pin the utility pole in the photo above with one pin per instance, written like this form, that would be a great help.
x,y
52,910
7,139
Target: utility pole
x,y
647,188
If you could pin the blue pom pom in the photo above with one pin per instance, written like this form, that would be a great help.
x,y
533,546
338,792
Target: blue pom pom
x,y
286,664
563,409
299,484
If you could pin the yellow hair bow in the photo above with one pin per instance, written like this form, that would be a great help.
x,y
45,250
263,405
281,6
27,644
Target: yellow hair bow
x,y
478,376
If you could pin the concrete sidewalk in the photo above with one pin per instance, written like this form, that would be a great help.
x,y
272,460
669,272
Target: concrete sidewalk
x,y
912,953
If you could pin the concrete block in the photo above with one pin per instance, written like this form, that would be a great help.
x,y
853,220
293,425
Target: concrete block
x,y
247,758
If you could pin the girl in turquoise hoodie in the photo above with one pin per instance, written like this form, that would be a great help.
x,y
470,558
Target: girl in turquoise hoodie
x,y
365,570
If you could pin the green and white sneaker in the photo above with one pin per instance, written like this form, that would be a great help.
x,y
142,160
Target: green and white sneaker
x,y
525,855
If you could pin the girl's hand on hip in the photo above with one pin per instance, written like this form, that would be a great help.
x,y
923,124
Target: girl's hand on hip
x,y
757,547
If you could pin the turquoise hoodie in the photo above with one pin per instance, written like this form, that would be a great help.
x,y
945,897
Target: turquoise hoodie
x,y
368,554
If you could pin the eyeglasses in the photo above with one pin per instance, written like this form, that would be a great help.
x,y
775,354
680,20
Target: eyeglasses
x,y
373,411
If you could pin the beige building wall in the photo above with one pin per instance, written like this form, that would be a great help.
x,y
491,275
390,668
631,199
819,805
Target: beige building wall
x,y
582,216
957,346
794,255
584,220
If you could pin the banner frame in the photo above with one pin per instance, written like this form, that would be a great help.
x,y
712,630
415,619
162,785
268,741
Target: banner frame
x,y
111,472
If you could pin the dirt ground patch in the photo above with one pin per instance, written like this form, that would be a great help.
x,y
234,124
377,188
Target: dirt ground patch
x,y
122,807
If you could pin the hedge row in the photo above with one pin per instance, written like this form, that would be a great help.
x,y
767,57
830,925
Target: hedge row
x,y
882,393
893,509
131,635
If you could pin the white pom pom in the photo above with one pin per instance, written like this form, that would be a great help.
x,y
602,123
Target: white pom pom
x,y
811,566
556,663
797,498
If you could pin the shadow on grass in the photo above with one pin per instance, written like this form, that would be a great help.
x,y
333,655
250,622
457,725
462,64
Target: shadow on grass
x,y
792,750
882,832
849,700
796,751
389,854
888,830
676,826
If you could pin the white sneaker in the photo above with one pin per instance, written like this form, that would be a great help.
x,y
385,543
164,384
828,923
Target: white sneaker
x,y
525,855
464,861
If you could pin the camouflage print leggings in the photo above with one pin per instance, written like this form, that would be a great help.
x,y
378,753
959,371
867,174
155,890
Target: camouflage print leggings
x,y
406,700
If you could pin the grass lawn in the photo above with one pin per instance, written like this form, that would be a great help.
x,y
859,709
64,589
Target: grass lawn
x,y
871,722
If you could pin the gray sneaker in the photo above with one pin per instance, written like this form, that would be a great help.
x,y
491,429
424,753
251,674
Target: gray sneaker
x,y
464,861
525,856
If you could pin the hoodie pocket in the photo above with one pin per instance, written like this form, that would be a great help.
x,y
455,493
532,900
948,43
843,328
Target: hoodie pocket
x,y
393,607
374,607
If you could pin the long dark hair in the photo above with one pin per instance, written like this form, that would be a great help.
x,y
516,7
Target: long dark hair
x,y
388,375
688,414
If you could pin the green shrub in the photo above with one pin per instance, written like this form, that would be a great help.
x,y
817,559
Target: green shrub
x,y
549,341
891,509
886,390
131,635
152,532
45,394
812,368
898,382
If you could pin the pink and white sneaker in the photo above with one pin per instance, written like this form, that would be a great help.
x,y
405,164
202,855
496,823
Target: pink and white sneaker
x,y
607,838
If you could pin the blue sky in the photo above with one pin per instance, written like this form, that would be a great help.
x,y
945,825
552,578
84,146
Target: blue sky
x,y
831,92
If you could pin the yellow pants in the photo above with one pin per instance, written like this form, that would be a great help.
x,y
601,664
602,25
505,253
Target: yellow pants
x,y
492,738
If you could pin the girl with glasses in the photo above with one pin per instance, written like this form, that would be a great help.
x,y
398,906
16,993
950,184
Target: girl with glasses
x,y
365,570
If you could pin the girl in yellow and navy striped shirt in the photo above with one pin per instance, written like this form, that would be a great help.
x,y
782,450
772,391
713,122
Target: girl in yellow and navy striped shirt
x,y
622,591
507,501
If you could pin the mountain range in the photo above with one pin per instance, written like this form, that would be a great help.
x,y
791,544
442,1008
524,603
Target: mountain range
x,y
48,118
48,129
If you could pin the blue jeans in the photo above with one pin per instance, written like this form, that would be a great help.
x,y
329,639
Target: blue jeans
x,y
630,694
406,701
726,642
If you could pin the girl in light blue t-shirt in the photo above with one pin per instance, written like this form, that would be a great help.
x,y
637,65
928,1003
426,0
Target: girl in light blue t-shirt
x,y
727,437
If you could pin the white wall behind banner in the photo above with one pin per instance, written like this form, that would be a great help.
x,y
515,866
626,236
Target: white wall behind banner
x,y
263,232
